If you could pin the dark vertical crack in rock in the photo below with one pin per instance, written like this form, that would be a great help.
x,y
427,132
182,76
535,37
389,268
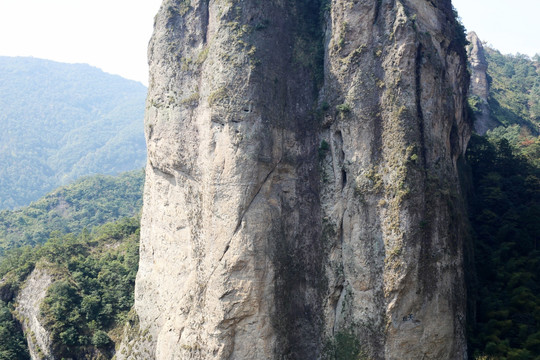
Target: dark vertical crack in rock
x,y
420,114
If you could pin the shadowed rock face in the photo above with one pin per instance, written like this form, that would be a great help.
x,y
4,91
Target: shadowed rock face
x,y
301,196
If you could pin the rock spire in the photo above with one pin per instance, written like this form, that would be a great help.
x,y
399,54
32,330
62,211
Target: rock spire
x,y
302,197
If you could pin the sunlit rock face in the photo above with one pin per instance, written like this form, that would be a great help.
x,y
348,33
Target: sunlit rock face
x,y
479,66
302,195
27,306
479,84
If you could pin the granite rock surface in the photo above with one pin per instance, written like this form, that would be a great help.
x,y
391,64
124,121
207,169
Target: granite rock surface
x,y
302,196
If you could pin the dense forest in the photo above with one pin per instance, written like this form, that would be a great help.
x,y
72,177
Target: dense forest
x,y
89,202
505,217
504,212
63,121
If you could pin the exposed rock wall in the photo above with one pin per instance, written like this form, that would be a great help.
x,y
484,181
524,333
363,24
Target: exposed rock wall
x,y
301,196
392,198
27,305
480,84
479,66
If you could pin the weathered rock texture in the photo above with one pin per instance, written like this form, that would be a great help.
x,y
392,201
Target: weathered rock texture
x,y
479,66
27,305
301,196
479,84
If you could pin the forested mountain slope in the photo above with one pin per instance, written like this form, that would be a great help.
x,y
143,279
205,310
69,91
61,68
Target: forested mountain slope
x,y
504,207
89,202
61,121
71,295
514,89
505,90
66,277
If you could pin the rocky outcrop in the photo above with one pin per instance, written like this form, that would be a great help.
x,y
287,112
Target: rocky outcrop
x,y
302,197
479,84
479,66
27,305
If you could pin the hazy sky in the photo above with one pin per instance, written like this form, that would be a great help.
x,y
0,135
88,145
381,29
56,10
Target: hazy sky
x,y
109,34
113,34
510,26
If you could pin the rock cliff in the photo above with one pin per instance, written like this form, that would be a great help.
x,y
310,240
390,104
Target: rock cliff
x,y
479,84
27,307
302,197
479,66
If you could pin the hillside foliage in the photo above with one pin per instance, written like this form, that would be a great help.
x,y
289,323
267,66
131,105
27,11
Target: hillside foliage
x,y
87,304
514,96
521,141
89,202
62,121
504,211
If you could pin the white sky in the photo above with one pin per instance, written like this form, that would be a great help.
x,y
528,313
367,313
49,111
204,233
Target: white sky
x,y
510,26
113,34
109,34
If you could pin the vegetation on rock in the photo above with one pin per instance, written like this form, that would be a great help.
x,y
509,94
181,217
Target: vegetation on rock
x,y
86,307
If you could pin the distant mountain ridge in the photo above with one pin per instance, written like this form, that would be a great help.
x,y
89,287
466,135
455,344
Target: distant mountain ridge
x,y
62,121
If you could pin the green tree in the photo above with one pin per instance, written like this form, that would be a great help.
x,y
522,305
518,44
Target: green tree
x,y
505,215
12,343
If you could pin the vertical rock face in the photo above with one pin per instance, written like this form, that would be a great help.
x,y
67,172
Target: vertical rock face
x,y
479,83
395,260
301,198
27,306
479,66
